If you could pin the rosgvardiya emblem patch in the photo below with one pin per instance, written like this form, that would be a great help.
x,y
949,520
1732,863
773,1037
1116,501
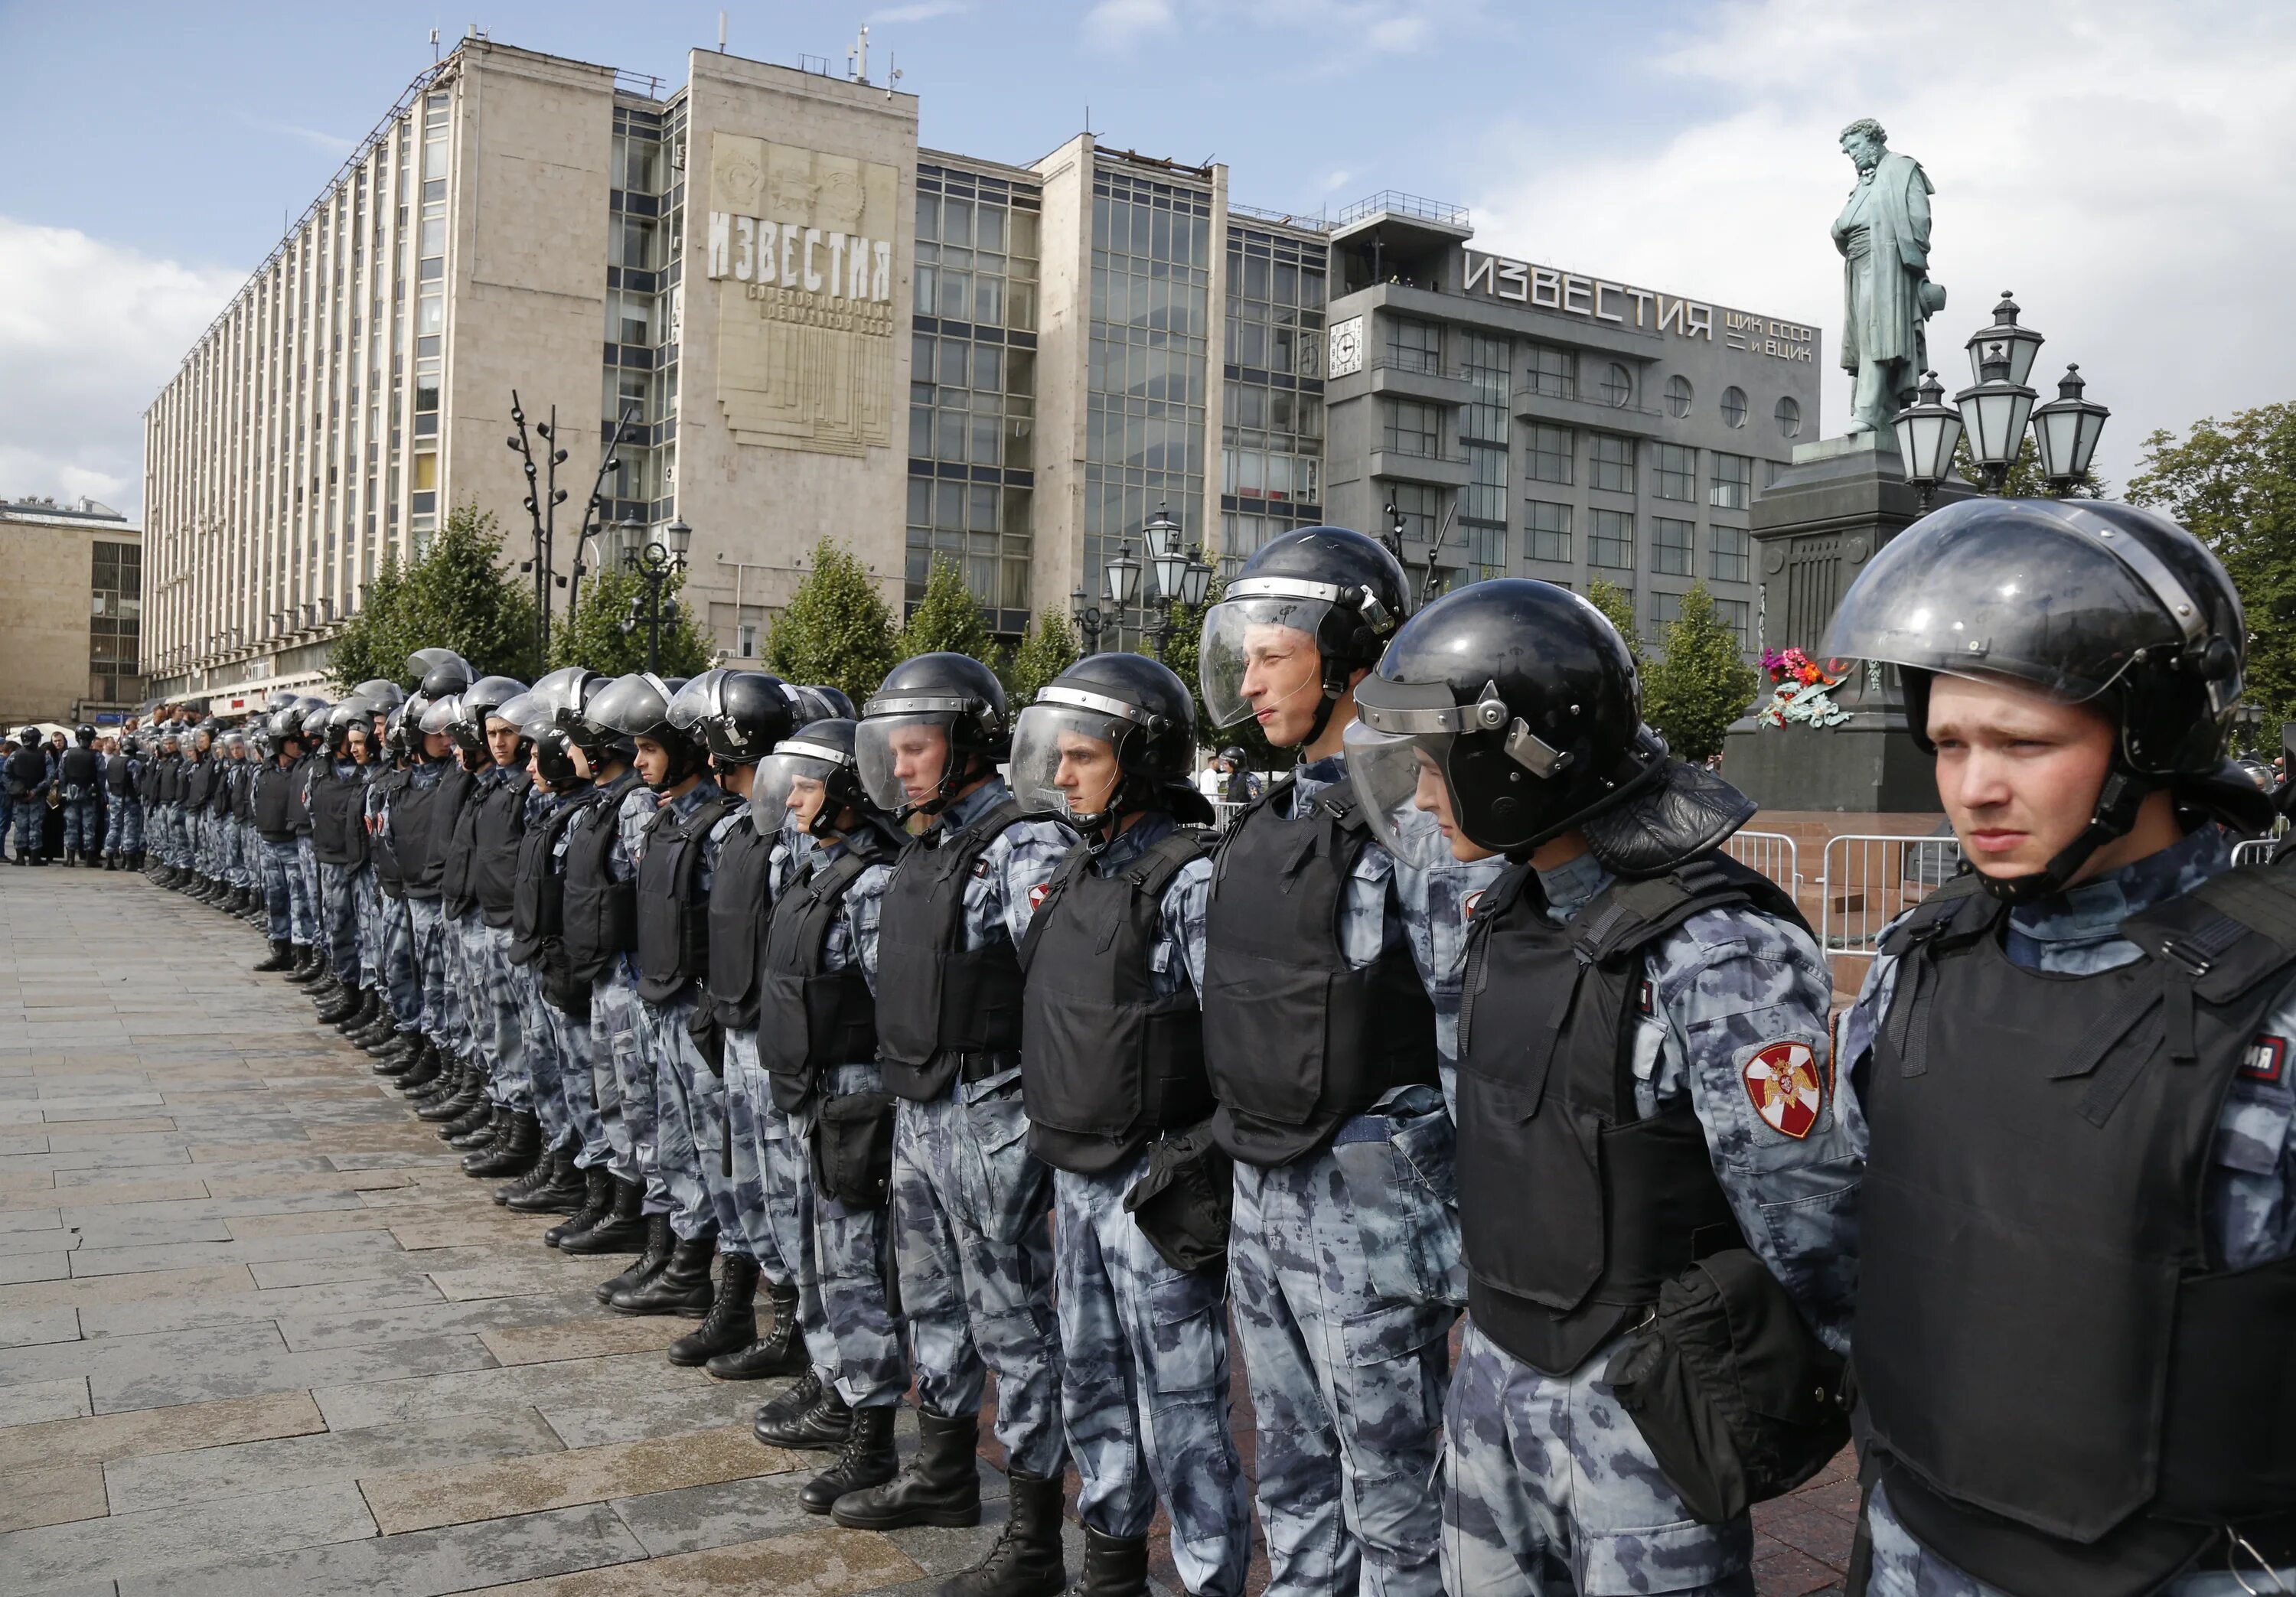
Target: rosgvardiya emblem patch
x,y
1783,1080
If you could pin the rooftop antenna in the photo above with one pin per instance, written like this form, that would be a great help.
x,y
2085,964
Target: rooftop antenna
x,y
856,59
434,46
892,76
721,33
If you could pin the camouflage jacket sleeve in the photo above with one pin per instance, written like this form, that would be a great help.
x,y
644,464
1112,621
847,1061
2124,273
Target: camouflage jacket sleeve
x,y
1179,950
2252,1184
1002,895
1737,1018
864,904
637,809
1438,903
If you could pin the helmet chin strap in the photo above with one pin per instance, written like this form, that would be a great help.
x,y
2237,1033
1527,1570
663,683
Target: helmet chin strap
x,y
2118,802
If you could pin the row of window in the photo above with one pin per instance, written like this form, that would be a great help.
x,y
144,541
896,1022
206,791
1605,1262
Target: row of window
x,y
1610,541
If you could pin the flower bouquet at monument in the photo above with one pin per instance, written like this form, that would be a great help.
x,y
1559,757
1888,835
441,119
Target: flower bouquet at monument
x,y
1802,690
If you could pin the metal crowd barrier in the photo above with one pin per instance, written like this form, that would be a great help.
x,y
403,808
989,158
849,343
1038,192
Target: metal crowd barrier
x,y
1869,880
1772,852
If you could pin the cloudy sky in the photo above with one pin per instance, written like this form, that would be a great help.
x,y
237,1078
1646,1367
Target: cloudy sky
x,y
2124,167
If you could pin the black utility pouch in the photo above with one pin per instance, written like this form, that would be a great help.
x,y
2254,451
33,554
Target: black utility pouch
x,y
1182,1205
1738,1401
853,1149
708,1036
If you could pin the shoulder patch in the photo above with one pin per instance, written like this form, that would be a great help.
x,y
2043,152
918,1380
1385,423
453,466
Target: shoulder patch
x,y
1784,1082
1645,995
981,868
1467,913
2266,1060
1039,893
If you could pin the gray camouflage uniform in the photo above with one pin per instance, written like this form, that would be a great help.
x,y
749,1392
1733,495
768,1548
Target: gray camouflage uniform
x,y
396,922
496,1016
623,1073
758,1150
2251,1197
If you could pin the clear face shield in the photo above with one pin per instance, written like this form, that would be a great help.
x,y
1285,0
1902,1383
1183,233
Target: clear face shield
x,y
440,715
1422,763
1064,754
1263,645
792,788
1400,783
902,758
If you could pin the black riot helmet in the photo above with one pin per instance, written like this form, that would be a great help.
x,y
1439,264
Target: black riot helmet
x,y
440,672
536,715
2090,602
812,777
85,736
1139,711
28,736
638,705
954,692
1521,699
353,711
482,700
382,694
285,723
818,702
1341,588
738,715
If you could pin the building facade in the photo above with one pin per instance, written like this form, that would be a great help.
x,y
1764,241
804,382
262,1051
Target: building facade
x,y
74,576
798,323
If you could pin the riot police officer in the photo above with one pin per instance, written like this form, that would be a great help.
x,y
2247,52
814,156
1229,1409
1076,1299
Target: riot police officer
x,y
246,758
80,775
29,774
124,771
165,815
2083,1042
418,825
1112,1060
971,1202
405,1056
1642,1069
287,915
337,800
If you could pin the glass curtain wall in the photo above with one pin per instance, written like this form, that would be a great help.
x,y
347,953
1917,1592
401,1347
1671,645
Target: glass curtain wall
x,y
646,203
1271,441
1484,429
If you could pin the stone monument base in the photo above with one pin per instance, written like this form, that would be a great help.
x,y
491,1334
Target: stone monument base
x,y
1868,764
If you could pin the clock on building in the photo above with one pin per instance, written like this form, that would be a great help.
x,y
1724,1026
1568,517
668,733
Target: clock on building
x,y
1347,347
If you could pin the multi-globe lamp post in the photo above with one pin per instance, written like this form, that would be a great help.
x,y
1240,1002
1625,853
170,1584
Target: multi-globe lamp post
x,y
1995,413
654,565
1181,578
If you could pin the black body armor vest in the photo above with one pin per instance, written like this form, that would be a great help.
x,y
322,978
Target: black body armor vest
x,y
414,835
338,820
26,769
221,788
453,830
2067,1388
119,776
1547,1121
940,1001
538,903
242,791
159,779
673,919
1105,1063
810,1019
272,801
389,874
601,913
197,781
739,901
80,768
499,828
1297,1040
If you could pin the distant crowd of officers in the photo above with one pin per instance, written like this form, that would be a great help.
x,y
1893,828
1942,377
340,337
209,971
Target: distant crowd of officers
x,y
1462,1079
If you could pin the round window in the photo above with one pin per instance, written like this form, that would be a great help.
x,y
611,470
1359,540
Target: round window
x,y
1617,384
1678,396
1734,407
1789,414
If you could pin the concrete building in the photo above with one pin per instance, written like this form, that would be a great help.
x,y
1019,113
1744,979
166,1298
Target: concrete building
x,y
772,263
73,575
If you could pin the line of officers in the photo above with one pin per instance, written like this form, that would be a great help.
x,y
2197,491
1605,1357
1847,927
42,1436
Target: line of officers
x,y
964,1034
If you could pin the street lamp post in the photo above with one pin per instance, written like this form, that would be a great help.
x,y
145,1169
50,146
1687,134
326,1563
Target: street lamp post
x,y
1995,413
1182,576
542,498
655,565
1087,620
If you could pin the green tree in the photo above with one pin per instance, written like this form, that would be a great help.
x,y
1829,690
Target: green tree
x,y
457,595
1618,606
2233,484
948,619
1700,685
2024,480
1047,648
838,631
606,629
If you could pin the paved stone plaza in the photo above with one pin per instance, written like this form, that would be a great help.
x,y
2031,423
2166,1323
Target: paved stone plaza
x,y
259,1334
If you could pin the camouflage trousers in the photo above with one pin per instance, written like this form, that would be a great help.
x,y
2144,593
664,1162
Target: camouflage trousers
x,y
1347,1382
768,1141
246,856
972,1211
496,1016
282,895
624,1082
309,864
338,912
576,1047
216,846
161,823
545,1066
1144,1384
689,1127
123,826
400,984
1549,1489
366,909
442,1015
84,825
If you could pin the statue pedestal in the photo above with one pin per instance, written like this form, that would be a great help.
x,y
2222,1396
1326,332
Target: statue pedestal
x,y
1815,528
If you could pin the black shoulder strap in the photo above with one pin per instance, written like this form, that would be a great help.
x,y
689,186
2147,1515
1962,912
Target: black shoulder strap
x,y
833,878
1957,905
1075,861
1153,871
1630,915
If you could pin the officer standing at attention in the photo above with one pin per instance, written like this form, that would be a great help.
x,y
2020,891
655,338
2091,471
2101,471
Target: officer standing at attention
x,y
1112,1059
470,1114
2085,1041
245,899
29,774
971,1202
124,788
499,812
288,914
369,745
167,816
317,978
79,774
419,823
816,1046
1319,1030
404,1056
1641,1067
199,782
337,793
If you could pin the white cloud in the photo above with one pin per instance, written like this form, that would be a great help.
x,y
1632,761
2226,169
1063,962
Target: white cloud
x,y
924,11
1113,24
327,142
2123,166
89,333
1398,34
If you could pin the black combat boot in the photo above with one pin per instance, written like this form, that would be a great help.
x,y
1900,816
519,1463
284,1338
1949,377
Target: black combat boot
x,y
780,1352
940,1485
396,1056
821,1424
467,1095
376,1034
421,1072
346,1002
563,1190
1113,1566
660,1242
283,956
515,1151
799,1396
866,1459
681,1287
544,1168
309,966
1025,1562
620,1228
487,1121
597,1203
732,1322
446,1084
369,1010
111,859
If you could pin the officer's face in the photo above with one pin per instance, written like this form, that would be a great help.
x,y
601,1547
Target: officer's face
x,y
652,763
1087,774
355,745
1282,681
919,756
806,796
438,745
501,740
2017,771
1434,797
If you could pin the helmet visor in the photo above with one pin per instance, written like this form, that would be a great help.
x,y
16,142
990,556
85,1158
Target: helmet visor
x,y
636,706
440,715
792,787
696,702
1064,761
530,712
1265,645
1400,779
902,758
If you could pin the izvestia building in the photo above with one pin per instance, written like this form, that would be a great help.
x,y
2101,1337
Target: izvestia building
x,y
808,325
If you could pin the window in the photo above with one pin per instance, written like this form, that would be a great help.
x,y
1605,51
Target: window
x,y
1552,372
1547,528
1737,614
1420,509
1548,458
1670,546
1734,407
1407,427
1611,460
1733,482
1618,386
1660,609
1789,417
1729,558
1610,540
1487,552
1485,363
1415,346
1678,472
746,640
1678,396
